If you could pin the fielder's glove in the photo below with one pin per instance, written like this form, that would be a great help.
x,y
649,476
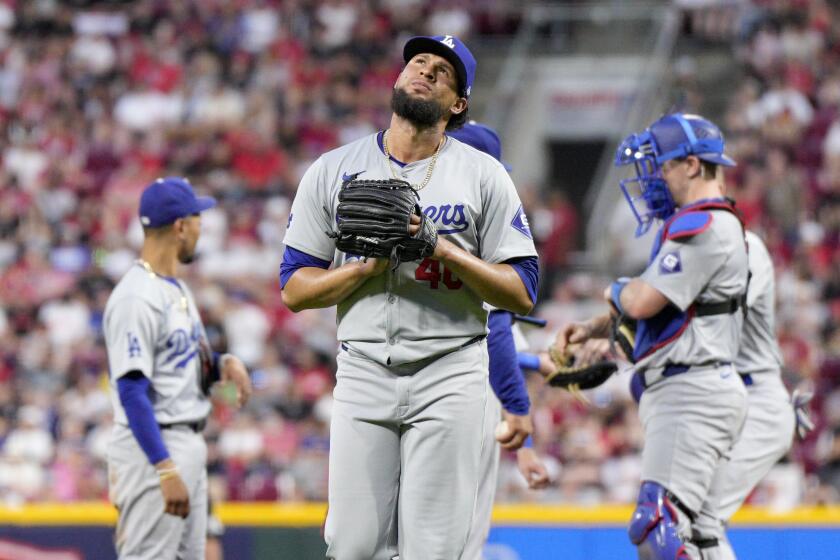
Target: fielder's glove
x,y
800,401
575,378
373,219
209,366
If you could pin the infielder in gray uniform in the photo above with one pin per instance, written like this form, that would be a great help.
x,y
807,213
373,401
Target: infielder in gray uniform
x,y
688,305
770,422
161,368
409,411
510,395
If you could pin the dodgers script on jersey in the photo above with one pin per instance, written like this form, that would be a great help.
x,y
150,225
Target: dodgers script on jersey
x,y
421,310
759,352
707,268
152,325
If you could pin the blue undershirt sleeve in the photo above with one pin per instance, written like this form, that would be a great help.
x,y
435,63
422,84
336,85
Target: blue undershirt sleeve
x,y
529,361
528,269
506,377
294,259
133,389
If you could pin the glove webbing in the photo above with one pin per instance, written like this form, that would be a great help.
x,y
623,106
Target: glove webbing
x,y
560,359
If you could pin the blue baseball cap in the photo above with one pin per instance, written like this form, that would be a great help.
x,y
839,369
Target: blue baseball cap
x,y
168,199
482,138
452,49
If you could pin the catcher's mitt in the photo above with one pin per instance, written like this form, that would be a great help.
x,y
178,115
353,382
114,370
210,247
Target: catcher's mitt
x,y
575,378
623,334
373,219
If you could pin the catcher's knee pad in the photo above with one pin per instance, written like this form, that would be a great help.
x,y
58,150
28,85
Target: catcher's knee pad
x,y
653,528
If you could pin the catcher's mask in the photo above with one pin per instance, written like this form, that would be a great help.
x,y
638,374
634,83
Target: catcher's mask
x,y
673,136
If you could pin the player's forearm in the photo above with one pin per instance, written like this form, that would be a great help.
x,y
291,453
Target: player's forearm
x,y
311,287
599,327
497,284
640,300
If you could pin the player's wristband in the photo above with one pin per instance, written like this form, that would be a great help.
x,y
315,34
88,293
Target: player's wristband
x,y
529,442
166,474
529,361
615,293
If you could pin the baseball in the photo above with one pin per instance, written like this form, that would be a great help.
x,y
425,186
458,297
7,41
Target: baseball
x,y
502,430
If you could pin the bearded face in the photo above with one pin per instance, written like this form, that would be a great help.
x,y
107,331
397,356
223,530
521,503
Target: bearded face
x,y
423,113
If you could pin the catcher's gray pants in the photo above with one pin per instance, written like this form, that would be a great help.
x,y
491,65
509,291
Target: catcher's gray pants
x,y
691,421
405,451
144,531
487,482
767,436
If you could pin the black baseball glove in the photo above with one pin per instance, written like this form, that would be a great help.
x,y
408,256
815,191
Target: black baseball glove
x,y
209,373
575,378
373,219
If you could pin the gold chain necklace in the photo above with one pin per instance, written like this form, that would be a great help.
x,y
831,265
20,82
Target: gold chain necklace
x,y
429,169
151,272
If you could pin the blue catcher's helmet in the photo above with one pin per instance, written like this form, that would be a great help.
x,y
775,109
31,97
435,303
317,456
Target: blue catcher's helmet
x,y
673,136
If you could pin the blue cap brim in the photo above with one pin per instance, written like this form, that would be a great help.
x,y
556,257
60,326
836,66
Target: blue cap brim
x,y
719,159
419,45
203,203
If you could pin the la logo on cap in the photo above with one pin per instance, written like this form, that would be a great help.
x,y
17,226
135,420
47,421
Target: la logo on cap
x,y
447,40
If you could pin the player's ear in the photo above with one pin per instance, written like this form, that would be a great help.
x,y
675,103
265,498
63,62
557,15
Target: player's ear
x,y
178,226
694,166
459,106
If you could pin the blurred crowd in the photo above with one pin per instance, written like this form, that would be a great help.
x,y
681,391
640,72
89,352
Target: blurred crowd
x,y
241,97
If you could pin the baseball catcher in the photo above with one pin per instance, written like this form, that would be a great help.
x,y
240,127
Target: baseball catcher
x,y
374,217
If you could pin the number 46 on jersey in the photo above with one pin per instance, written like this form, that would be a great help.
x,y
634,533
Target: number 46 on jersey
x,y
429,271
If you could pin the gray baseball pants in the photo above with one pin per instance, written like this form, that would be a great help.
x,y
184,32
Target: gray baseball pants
x,y
405,455
766,438
691,421
488,479
144,531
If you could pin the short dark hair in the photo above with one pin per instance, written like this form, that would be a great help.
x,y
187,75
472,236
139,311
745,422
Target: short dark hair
x,y
457,121
708,169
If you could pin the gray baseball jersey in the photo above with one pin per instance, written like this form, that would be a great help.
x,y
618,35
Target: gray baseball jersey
x,y
759,351
422,309
709,267
152,325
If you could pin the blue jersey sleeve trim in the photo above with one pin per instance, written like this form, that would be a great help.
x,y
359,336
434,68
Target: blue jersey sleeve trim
x,y
294,259
528,269
506,377
133,389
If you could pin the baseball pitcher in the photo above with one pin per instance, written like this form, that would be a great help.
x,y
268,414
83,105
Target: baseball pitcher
x,y
447,232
